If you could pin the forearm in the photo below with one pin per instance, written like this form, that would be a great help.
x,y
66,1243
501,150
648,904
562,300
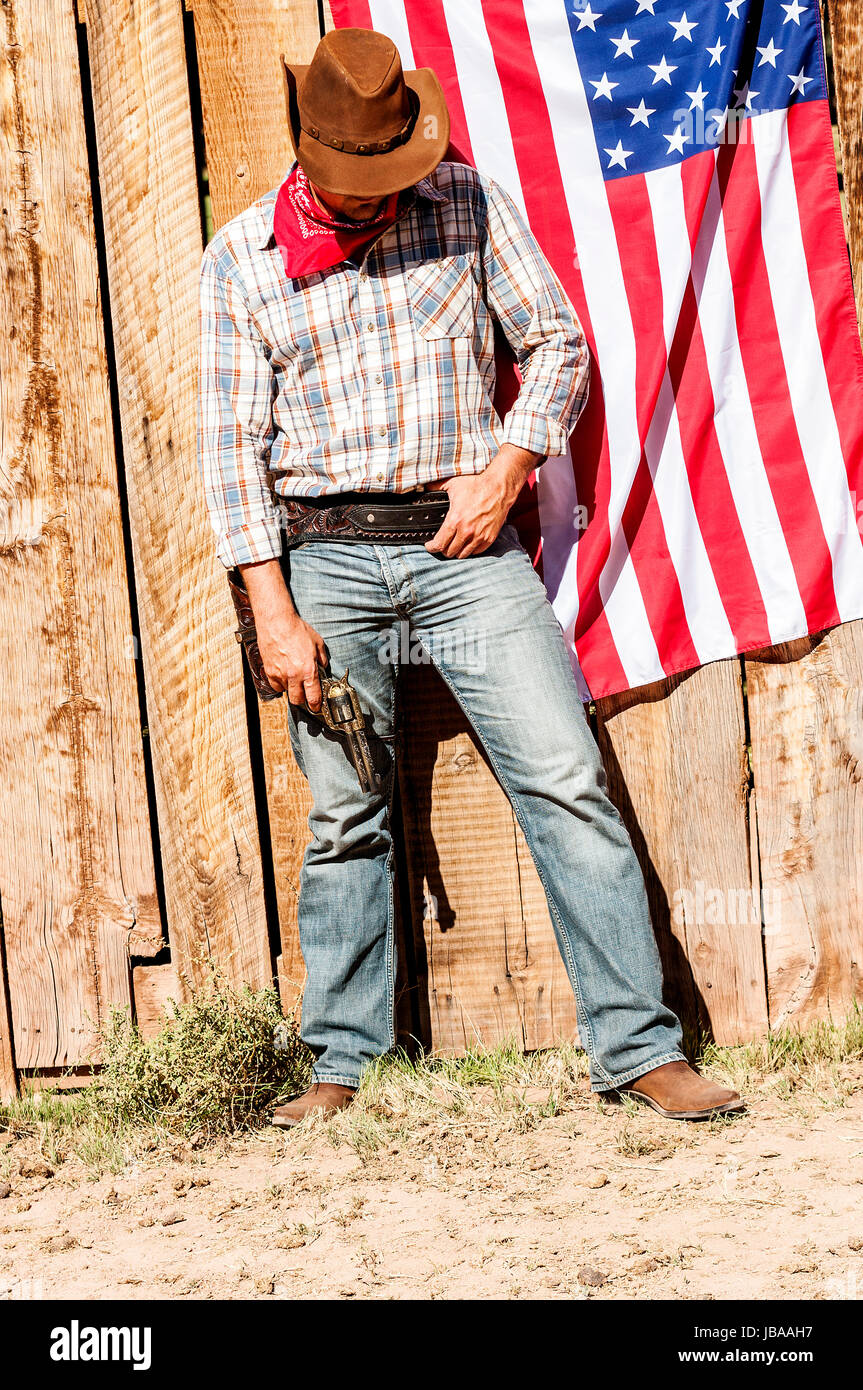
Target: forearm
x,y
268,593
511,467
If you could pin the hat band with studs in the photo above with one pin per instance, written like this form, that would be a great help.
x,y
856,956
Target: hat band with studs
x,y
336,142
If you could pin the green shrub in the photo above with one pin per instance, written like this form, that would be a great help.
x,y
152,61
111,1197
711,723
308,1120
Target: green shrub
x,y
217,1063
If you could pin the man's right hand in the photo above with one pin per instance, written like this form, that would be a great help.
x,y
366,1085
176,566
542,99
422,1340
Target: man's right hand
x,y
290,648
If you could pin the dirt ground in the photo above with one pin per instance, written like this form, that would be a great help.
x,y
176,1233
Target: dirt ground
x,y
494,1199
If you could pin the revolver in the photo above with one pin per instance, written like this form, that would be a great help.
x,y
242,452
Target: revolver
x,y
341,711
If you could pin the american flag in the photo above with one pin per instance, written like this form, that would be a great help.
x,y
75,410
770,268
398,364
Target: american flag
x,y
676,163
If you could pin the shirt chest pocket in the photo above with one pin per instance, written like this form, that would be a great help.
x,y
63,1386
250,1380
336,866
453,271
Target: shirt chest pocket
x,y
442,297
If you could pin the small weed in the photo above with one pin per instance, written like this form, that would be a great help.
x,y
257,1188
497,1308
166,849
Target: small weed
x,y
634,1145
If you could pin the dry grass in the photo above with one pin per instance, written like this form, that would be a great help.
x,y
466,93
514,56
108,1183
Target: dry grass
x,y
225,1058
487,1094
793,1061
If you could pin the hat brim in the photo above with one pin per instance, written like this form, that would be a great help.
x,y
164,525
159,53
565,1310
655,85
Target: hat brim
x,y
373,175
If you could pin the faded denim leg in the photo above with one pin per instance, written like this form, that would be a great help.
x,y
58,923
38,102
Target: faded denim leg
x,y
489,628
346,907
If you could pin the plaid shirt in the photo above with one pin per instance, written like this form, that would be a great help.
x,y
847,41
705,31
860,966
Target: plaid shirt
x,y
378,375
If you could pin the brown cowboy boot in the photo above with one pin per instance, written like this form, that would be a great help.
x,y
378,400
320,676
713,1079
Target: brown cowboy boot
x,y
679,1093
323,1096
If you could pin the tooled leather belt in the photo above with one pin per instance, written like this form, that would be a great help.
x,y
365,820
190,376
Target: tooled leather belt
x,y
375,518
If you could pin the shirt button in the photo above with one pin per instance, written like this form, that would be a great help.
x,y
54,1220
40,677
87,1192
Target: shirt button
x,y
371,328
380,477
382,430
378,378
363,275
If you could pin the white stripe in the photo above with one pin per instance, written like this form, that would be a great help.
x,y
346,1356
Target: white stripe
x,y
733,420
482,96
711,632
793,305
389,17
593,231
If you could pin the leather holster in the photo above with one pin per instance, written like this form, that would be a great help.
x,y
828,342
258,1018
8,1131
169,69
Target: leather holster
x,y
246,634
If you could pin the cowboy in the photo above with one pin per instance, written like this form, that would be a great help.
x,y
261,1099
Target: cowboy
x,y
346,383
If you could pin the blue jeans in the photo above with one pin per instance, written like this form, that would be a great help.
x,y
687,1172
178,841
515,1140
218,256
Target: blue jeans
x,y
488,627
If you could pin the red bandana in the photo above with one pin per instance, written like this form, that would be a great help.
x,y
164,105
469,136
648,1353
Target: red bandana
x,y
311,239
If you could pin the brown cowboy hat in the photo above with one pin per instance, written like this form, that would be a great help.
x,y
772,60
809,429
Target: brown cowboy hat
x,y
359,124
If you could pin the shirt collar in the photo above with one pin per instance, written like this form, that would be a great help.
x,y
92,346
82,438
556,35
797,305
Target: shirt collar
x,y
425,188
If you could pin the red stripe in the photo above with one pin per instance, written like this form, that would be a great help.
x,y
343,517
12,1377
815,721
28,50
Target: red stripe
x,y
531,132
351,14
810,139
766,378
642,521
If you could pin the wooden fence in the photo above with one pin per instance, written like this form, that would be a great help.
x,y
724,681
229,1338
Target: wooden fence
x,y
153,815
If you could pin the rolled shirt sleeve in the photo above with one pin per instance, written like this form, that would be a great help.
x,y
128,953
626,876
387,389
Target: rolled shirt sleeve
x,y
540,325
235,420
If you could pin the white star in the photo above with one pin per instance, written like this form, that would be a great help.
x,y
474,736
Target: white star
x,y
697,98
640,114
645,5
662,70
745,97
587,17
618,156
733,7
793,11
603,87
799,82
684,27
625,44
769,54
717,52
677,141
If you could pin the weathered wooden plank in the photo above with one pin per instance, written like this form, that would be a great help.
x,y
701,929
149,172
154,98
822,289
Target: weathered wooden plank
x,y
8,1071
846,28
248,152
245,126
487,954
289,802
152,987
195,697
675,753
76,871
806,721
56,1079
